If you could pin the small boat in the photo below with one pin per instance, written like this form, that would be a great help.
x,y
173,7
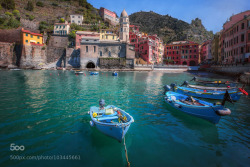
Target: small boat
x,y
209,94
114,73
15,69
215,83
195,107
110,120
185,83
94,73
78,72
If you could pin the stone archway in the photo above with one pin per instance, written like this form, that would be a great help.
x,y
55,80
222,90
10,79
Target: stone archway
x,y
90,64
192,63
184,63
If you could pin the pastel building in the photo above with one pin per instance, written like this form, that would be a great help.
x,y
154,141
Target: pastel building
x,y
134,35
182,53
108,35
76,18
109,16
206,51
30,38
235,39
61,29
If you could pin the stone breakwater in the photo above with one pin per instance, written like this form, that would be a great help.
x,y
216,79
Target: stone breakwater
x,y
241,71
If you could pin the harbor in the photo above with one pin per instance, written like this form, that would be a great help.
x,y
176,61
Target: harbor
x,y
46,111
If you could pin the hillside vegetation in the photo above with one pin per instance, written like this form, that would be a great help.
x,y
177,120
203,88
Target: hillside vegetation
x,y
169,28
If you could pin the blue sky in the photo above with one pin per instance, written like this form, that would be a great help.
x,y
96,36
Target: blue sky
x,y
213,13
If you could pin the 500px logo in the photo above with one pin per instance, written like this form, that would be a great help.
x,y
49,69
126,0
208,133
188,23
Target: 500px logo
x,y
14,147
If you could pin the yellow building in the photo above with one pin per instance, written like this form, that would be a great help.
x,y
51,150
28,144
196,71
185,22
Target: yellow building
x,y
30,38
108,35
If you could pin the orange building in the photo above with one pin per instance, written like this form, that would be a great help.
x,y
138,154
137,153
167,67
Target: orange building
x,y
30,38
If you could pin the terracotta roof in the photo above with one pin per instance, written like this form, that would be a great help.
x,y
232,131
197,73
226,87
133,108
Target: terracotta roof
x,y
26,31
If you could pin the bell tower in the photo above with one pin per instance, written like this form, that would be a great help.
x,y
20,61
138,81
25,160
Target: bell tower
x,y
124,27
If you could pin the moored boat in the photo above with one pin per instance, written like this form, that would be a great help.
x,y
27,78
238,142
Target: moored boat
x,y
110,120
207,93
94,73
195,107
78,72
114,73
215,83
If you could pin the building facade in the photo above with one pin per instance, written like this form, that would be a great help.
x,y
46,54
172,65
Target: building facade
x,y
182,53
235,36
108,35
109,16
86,36
206,52
124,27
215,48
61,29
77,19
30,38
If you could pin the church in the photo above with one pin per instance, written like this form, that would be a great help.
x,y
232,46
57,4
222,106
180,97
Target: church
x,y
106,54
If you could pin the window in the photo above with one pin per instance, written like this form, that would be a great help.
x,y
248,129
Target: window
x,y
190,51
177,52
248,37
242,26
237,28
241,50
106,37
78,21
26,35
242,37
78,16
100,53
31,36
190,56
195,50
26,41
38,42
94,48
113,37
109,54
38,37
73,21
186,51
73,16
87,49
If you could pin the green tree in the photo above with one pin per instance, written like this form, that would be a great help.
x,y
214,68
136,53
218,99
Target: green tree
x,y
8,4
82,3
8,13
72,35
13,23
30,6
62,20
16,12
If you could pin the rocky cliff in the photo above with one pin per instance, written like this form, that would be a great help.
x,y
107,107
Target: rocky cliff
x,y
169,28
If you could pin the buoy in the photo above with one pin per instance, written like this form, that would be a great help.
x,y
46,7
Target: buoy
x,y
91,123
50,74
205,90
94,114
243,91
223,112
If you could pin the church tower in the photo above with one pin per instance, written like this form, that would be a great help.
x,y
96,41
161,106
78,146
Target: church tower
x,y
124,27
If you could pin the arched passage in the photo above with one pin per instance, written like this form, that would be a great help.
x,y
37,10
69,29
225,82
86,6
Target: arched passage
x,y
184,63
90,65
192,63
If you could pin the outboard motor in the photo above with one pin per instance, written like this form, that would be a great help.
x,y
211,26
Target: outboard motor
x,y
173,85
101,103
194,79
167,88
185,83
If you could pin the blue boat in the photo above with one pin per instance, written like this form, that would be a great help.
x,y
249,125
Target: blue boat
x,y
114,73
94,73
110,120
215,83
207,93
195,107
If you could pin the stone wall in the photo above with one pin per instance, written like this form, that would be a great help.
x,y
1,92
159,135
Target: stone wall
x,y
112,63
230,69
33,56
6,54
53,54
58,41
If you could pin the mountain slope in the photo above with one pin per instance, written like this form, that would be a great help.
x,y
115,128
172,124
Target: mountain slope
x,y
169,28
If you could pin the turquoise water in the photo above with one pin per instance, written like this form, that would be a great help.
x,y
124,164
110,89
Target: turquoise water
x,y
46,112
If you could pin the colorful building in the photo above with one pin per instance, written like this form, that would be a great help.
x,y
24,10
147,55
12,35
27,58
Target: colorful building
x,y
215,48
108,35
109,16
206,52
182,53
76,18
30,38
61,29
134,35
235,39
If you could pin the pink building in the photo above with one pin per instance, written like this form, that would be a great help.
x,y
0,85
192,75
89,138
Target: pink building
x,y
235,39
205,52
182,53
86,36
109,16
134,35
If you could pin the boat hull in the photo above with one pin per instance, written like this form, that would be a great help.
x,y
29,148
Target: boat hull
x,y
235,95
208,111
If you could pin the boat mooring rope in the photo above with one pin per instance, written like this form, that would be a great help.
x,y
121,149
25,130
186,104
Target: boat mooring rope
x,y
126,153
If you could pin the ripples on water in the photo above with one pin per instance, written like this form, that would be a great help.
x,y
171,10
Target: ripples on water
x,y
46,111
